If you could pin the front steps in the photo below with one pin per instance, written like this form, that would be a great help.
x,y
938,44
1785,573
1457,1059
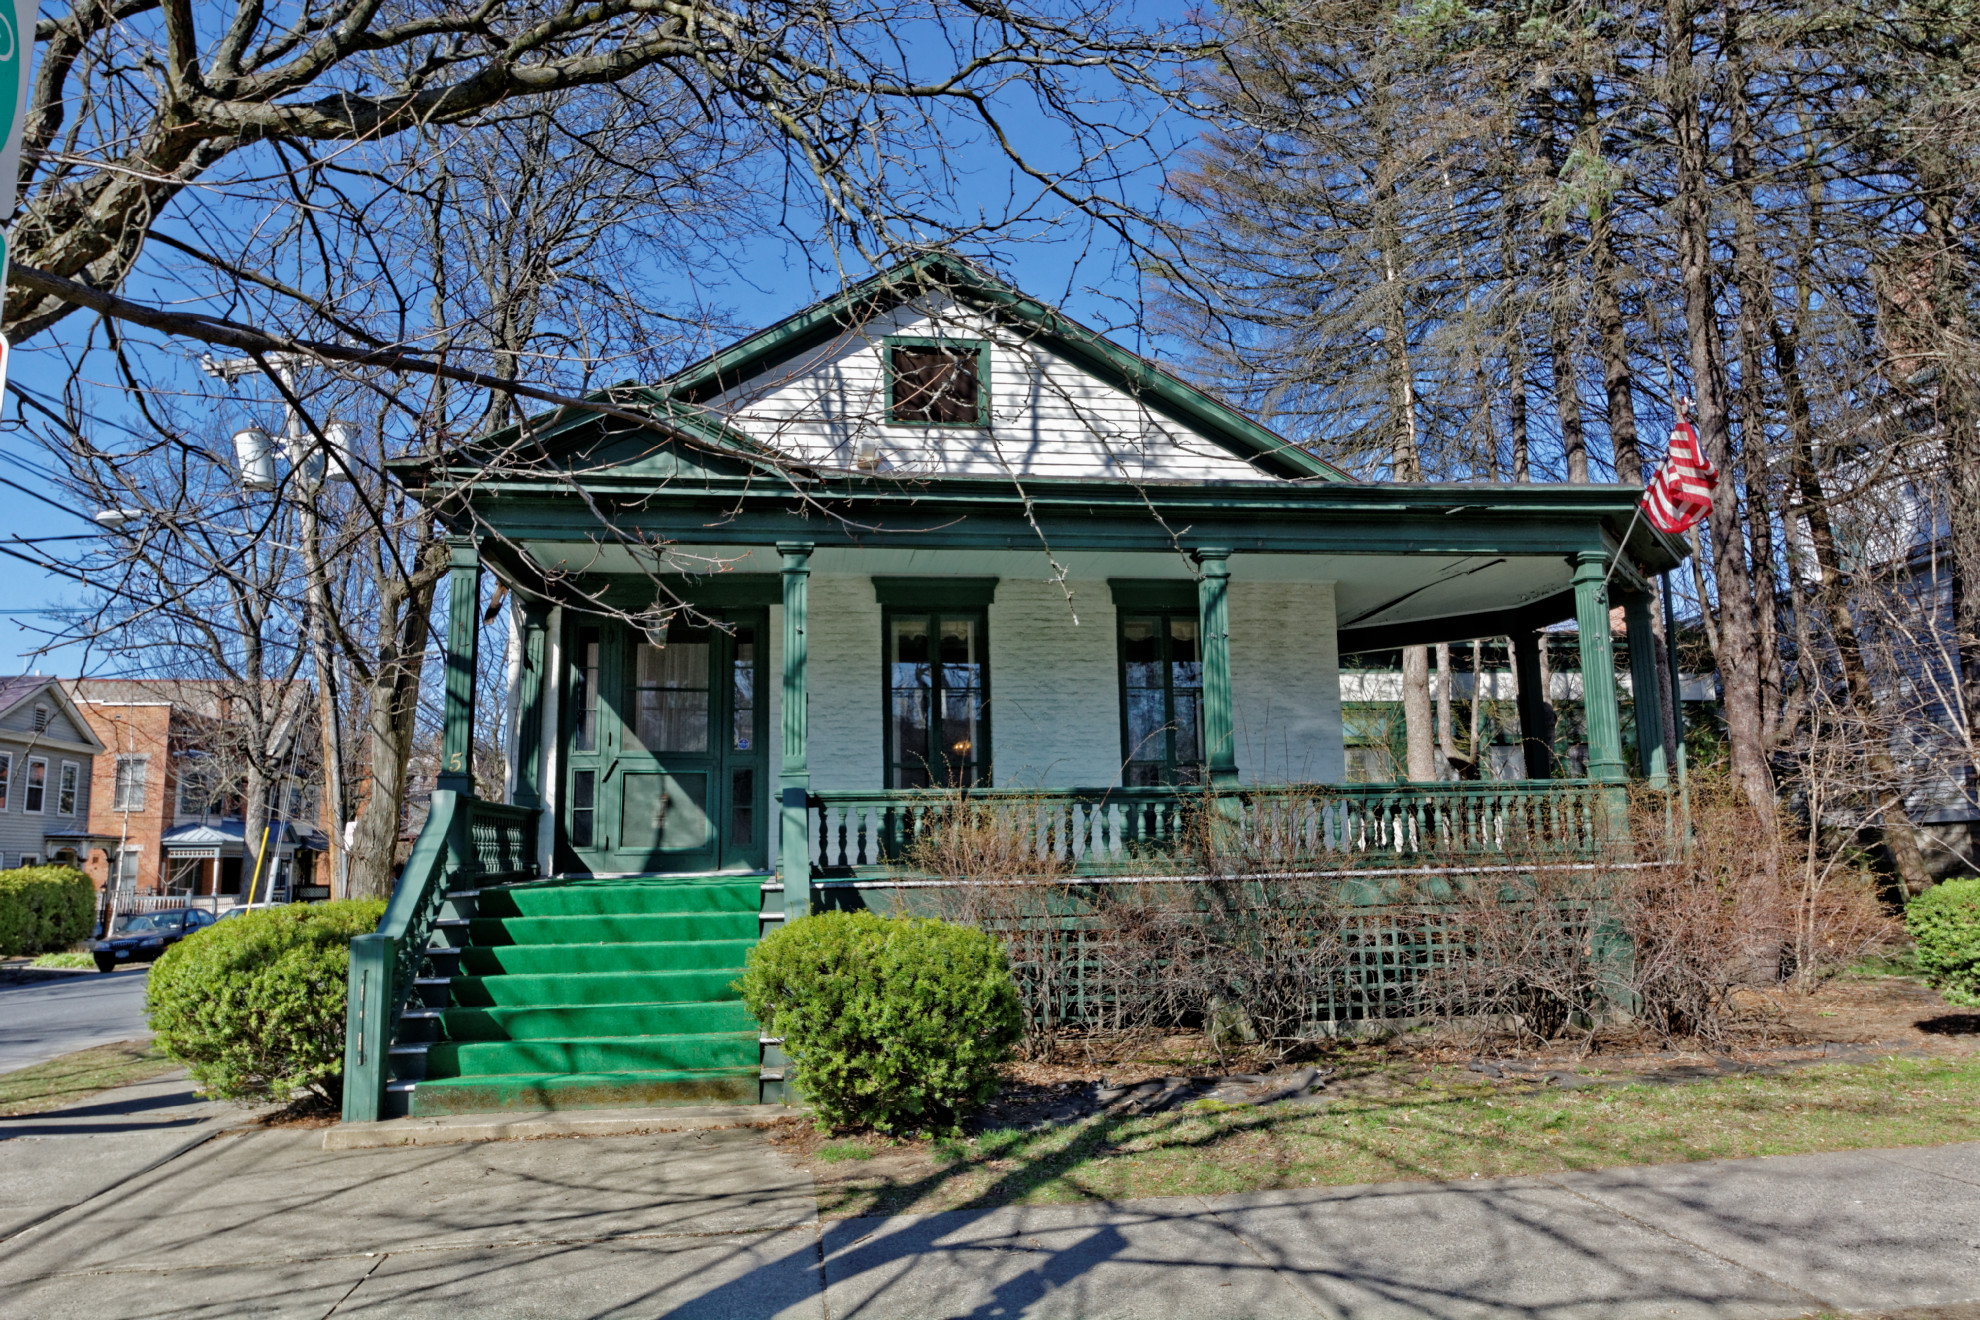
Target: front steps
x,y
588,994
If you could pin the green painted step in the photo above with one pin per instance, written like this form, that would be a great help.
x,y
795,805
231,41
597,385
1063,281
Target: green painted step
x,y
659,956
614,928
479,1095
596,897
596,1054
568,1020
523,991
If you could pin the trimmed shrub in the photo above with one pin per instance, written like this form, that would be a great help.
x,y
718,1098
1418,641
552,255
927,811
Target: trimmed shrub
x,y
254,1005
1945,923
893,1023
45,908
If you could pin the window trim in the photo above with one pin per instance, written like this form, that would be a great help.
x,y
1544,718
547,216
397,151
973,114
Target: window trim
x,y
1169,762
27,787
985,766
982,348
6,779
73,791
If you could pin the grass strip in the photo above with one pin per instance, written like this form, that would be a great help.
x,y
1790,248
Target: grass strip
x,y
1447,1130
78,1076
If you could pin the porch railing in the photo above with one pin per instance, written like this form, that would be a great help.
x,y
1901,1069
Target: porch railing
x,y
1098,830
466,844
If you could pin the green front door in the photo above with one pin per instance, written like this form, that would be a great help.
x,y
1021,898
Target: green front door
x,y
667,761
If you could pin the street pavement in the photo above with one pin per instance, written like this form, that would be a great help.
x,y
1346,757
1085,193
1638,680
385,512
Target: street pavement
x,y
43,1018
717,1223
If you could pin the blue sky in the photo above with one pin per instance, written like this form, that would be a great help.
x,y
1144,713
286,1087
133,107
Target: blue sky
x,y
1073,265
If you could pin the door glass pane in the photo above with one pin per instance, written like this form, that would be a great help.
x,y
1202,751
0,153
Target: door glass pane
x,y
744,682
670,693
584,791
585,698
742,807
909,687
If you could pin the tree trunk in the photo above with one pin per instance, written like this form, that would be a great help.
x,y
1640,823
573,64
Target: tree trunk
x,y
1738,656
1416,714
392,721
1446,732
1755,311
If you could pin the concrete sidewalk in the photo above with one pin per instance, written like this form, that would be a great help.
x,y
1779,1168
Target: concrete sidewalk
x,y
62,1158
716,1223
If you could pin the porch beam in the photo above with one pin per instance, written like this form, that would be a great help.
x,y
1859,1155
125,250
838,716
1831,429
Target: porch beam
x,y
529,704
1536,712
1598,668
1643,694
794,780
1214,610
463,632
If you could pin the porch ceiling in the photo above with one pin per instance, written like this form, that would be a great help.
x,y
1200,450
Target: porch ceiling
x,y
1374,593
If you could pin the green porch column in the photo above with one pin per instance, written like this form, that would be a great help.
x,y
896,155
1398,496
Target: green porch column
x,y
1214,608
463,630
1536,713
1598,667
1644,700
794,842
529,704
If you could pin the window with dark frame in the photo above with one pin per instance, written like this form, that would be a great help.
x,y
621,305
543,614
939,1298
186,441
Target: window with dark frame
x,y
1161,698
935,384
937,674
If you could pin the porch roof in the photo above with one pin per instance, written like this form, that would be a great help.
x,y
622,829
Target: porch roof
x,y
1413,562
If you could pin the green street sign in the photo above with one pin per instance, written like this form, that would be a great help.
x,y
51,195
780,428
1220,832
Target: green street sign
x,y
16,50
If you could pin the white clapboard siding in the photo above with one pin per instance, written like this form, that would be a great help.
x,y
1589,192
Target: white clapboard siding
x,y
1049,417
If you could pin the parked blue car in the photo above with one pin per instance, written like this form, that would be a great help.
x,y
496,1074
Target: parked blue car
x,y
142,936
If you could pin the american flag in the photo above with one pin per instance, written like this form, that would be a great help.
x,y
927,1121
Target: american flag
x,y
1681,492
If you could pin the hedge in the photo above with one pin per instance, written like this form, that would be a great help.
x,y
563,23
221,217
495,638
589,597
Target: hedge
x,y
1945,924
892,1023
254,1005
45,909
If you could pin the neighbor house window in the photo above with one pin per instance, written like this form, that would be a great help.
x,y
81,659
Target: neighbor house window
x,y
6,778
932,383
1161,698
65,802
36,796
937,685
131,772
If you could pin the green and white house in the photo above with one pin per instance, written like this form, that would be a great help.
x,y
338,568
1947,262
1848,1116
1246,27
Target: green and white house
x,y
926,536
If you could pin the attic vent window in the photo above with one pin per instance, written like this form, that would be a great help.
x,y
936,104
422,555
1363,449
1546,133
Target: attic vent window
x,y
937,384
41,718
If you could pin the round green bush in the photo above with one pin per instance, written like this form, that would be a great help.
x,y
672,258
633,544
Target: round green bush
x,y
1945,925
896,1023
45,909
254,1005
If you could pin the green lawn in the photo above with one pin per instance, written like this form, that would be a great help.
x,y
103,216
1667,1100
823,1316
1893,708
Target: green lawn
x,y
1448,1129
78,1076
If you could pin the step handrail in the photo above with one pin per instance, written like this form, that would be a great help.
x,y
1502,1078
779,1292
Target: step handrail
x,y
461,838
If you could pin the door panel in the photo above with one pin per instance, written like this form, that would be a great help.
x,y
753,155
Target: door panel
x,y
666,747
663,813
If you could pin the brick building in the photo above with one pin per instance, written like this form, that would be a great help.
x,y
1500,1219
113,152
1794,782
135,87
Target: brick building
x,y
164,808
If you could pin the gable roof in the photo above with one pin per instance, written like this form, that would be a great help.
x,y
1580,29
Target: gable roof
x,y
21,688
1086,348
